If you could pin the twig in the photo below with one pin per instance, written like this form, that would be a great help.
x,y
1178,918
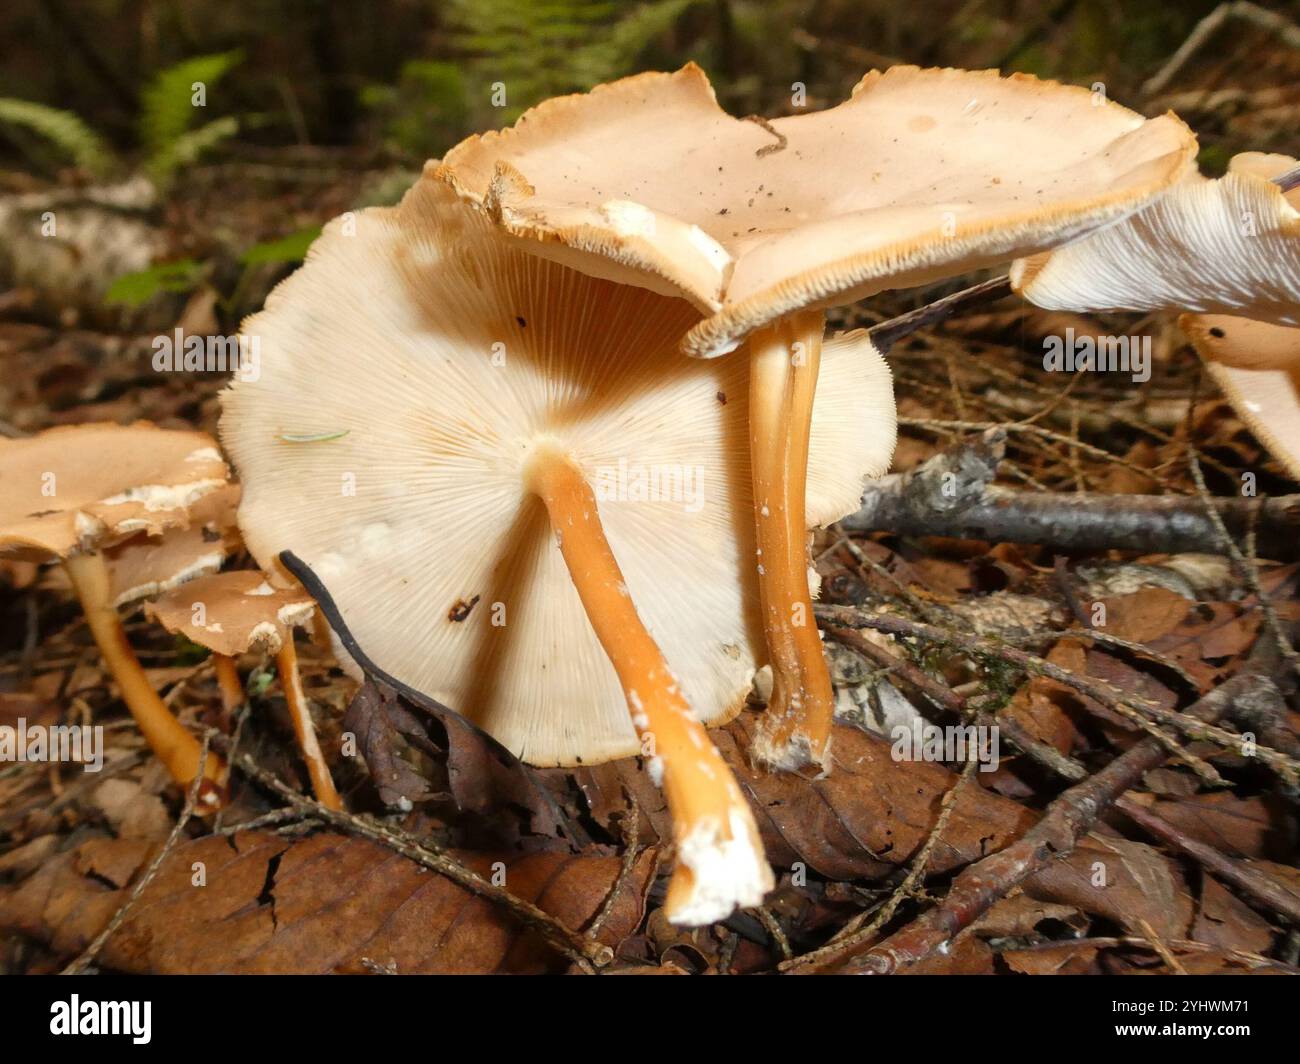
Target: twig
x,y
951,495
78,966
631,836
1129,706
1262,888
1065,822
888,333
1208,27
1157,944
853,934
579,948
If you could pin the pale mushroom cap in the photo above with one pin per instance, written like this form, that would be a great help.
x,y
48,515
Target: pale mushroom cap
x,y
233,612
146,565
74,488
1229,246
920,174
428,357
1257,364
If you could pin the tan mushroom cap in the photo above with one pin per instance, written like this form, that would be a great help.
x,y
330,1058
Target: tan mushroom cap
x,y
1226,246
146,565
233,612
1257,364
920,174
411,369
79,487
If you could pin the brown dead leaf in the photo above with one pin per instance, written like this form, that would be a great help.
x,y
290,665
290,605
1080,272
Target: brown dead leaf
x,y
325,903
1126,882
1059,958
867,817
1224,920
1262,826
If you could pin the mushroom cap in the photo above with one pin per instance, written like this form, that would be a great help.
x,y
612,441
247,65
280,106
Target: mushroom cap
x,y
1257,364
83,486
920,174
240,611
146,565
424,357
1226,246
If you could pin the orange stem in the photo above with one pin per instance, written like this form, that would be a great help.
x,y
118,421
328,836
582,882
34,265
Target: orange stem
x,y
784,361
322,783
175,747
231,687
720,858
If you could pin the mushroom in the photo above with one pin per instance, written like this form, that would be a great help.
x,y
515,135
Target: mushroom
x,y
1257,365
1228,249
1225,246
234,612
73,493
526,504
762,225
145,565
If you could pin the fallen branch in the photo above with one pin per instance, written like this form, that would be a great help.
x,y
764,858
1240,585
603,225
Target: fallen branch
x,y
952,495
1066,821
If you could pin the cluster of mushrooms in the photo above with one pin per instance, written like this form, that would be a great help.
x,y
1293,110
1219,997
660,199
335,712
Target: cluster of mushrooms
x,y
461,399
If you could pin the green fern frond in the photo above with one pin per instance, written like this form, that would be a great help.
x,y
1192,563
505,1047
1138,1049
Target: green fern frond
x,y
616,52
166,103
64,130
187,148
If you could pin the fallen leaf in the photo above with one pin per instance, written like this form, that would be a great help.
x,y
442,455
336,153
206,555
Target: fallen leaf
x,y
325,903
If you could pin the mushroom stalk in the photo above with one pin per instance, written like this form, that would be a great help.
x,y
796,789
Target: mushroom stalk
x,y
175,747
232,690
720,861
286,661
784,361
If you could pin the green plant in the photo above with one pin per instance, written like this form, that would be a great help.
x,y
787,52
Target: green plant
x,y
134,289
63,129
542,49
167,108
185,275
425,111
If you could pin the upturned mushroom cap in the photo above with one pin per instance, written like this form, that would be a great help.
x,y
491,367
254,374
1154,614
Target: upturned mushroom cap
x,y
411,369
1257,364
146,565
920,174
233,612
1226,246
84,486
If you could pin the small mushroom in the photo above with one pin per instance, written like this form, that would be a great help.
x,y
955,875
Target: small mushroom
x,y
73,493
1225,246
526,504
234,612
762,225
1257,364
